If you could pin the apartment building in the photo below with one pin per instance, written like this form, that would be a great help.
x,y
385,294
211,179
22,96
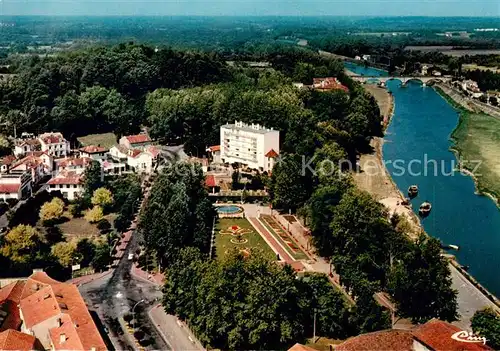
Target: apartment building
x,y
54,144
252,145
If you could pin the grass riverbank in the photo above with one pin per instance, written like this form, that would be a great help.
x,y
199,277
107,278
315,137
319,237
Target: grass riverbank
x,y
476,140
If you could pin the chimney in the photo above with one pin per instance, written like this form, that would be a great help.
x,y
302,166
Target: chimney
x,y
62,338
59,322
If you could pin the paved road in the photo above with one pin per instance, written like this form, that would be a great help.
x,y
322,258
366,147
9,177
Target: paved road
x,y
469,298
179,337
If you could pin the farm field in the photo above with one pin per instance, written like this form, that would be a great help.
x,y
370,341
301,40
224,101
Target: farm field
x,y
279,234
106,140
477,137
239,233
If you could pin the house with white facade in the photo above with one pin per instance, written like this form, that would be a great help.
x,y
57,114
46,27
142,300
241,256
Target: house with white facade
x,y
16,185
69,183
74,164
23,146
214,153
54,144
97,153
248,144
38,163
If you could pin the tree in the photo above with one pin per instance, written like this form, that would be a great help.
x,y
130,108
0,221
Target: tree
x,y
421,283
102,257
86,249
94,215
66,253
486,323
92,178
102,197
235,183
52,210
21,244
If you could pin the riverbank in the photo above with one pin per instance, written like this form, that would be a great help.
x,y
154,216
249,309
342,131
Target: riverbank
x,y
373,176
476,143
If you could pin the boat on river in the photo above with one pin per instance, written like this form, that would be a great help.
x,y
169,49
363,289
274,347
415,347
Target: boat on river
x,y
425,209
412,191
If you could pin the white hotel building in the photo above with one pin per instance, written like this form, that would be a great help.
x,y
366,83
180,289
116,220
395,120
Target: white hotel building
x,y
252,145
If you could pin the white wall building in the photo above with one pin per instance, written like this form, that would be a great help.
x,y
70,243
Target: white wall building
x,y
97,153
16,185
54,144
70,184
249,144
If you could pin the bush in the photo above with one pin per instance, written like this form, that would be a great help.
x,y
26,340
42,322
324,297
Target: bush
x,y
128,317
139,334
104,226
94,215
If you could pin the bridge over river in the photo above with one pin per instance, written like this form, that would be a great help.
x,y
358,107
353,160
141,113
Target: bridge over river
x,y
405,79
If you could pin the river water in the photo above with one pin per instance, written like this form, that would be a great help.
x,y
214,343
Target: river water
x,y
417,151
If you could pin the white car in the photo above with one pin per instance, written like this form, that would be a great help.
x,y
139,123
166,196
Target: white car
x,y
130,256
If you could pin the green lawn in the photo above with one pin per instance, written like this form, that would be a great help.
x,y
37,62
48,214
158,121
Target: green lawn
x,y
477,138
280,235
106,140
253,239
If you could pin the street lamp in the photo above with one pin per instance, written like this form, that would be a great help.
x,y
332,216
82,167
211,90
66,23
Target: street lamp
x,y
133,308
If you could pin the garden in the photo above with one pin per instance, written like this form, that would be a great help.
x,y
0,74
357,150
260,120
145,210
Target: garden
x,y
280,235
239,234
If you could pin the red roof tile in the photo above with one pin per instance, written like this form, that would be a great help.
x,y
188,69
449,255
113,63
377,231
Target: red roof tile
x,y
14,340
74,162
92,149
328,83
210,181
153,150
10,295
300,347
437,334
9,188
214,148
138,139
134,153
271,154
394,340
66,178
39,307
52,138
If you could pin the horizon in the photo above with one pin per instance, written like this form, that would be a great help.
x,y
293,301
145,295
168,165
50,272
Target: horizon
x,y
253,8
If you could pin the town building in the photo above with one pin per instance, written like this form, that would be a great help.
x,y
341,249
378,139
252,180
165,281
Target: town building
x,y
15,185
328,83
97,153
135,141
42,313
249,145
471,88
23,146
38,163
54,144
74,164
214,153
69,183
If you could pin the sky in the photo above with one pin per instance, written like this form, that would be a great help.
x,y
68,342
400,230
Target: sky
x,y
253,7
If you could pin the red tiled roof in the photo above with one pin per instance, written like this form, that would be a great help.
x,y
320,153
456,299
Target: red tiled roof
x,y
437,334
271,154
39,307
394,340
14,340
92,149
137,139
134,153
31,142
328,83
29,161
300,347
66,178
214,148
10,295
52,138
9,188
153,150
62,300
210,181
74,161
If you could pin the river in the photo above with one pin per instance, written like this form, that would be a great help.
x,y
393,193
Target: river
x,y
417,140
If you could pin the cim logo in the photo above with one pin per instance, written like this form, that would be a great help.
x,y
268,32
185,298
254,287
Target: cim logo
x,y
465,336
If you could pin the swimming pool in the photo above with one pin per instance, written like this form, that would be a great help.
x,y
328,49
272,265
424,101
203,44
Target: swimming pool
x,y
229,209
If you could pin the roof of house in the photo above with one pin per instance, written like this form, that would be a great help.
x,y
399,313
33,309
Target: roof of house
x,y
31,142
9,188
210,181
134,153
92,149
14,340
46,298
271,154
8,160
10,295
437,335
138,139
328,83
30,162
153,150
214,148
394,340
52,138
66,178
300,347
74,162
